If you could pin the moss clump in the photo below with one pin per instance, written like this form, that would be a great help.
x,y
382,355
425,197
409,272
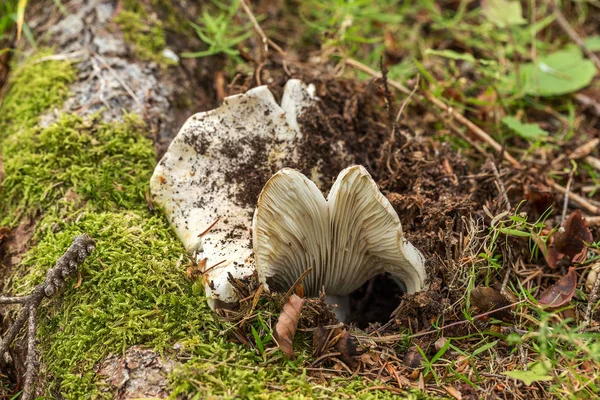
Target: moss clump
x,y
109,164
219,369
35,86
146,34
133,291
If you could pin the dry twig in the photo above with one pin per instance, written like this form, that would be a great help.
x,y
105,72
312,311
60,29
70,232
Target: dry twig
x,y
577,199
66,266
480,133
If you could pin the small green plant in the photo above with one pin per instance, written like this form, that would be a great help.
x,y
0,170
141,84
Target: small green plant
x,y
12,13
220,32
260,340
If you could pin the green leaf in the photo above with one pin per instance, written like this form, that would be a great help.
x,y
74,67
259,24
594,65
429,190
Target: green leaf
x,y
564,71
537,372
451,54
503,13
526,131
592,43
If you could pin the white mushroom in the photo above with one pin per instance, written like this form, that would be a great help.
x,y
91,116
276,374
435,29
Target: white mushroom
x,y
347,239
200,177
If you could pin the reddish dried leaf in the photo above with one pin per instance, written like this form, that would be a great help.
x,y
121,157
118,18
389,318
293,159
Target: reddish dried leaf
x,y
569,241
572,238
5,233
539,197
561,292
285,329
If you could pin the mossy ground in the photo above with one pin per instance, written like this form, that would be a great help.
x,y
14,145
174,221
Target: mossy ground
x,y
144,31
83,175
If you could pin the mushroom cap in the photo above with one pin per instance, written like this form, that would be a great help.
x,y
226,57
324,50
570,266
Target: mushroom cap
x,y
347,239
193,184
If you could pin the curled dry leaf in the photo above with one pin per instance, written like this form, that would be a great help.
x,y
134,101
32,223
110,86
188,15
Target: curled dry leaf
x,y
285,329
561,292
488,299
539,197
571,240
347,346
5,233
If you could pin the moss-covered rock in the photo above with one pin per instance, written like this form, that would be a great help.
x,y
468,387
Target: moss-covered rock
x,y
145,34
108,164
35,86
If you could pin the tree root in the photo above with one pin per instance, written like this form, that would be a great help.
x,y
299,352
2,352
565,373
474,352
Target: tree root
x,y
66,266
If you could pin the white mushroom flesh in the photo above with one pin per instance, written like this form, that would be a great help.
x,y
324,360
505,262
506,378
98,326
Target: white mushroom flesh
x,y
193,181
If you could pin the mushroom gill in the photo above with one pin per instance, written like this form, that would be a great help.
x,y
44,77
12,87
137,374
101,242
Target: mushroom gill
x,y
347,239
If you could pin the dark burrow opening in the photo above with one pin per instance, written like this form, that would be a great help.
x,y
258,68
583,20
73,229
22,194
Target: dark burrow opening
x,y
375,301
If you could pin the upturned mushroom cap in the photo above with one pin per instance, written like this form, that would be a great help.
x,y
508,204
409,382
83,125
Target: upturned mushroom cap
x,y
347,239
195,184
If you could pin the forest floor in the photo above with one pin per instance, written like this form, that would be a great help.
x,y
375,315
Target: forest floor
x,y
480,122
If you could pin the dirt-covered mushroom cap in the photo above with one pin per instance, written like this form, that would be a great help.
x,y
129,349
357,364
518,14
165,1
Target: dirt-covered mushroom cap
x,y
200,177
347,239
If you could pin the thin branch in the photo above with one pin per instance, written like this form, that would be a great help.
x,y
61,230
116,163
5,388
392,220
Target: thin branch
x,y
266,41
501,185
66,266
31,362
566,201
591,301
480,133
577,199
120,80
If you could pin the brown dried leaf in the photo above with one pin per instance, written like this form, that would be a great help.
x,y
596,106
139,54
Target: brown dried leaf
x,y
347,346
488,299
319,341
412,358
561,292
569,241
5,233
285,329
572,238
539,197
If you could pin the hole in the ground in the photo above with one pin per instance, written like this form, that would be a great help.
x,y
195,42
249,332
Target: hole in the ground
x,y
372,302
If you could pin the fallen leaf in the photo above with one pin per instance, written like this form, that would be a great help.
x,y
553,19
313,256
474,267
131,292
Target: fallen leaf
x,y
562,72
561,292
319,341
452,391
347,346
573,237
5,233
526,131
539,197
285,329
571,240
412,358
488,299
503,13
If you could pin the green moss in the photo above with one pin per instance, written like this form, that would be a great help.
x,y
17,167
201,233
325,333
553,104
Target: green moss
x,y
219,369
108,164
146,34
35,86
133,291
